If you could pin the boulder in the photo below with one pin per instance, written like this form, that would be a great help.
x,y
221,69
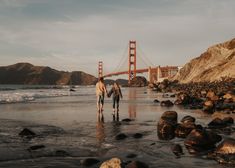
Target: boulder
x,y
177,150
217,123
183,130
225,152
121,136
201,140
166,103
188,119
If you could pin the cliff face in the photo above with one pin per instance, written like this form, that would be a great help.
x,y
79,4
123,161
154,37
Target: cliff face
x,y
217,62
25,73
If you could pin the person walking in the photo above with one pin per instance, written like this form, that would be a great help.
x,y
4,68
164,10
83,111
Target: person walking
x,y
100,93
117,94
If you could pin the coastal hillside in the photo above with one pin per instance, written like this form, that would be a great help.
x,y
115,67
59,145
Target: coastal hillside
x,y
217,62
25,73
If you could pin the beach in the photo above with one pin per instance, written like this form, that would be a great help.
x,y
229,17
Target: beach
x,y
67,130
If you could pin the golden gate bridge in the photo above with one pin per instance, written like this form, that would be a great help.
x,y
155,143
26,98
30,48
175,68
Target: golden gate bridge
x,y
155,73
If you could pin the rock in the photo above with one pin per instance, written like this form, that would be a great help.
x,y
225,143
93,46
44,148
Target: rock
x,y
217,123
183,130
156,101
137,164
89,162
131,155
170,116
27,133
188,119
201,140
228,120
208,106
137,135
177,150
225,152
166,103
210,94
36,147
121,136
166,125
112,163
127,120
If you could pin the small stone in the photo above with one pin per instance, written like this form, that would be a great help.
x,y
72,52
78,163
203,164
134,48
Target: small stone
x,y
89,162
36,147
138,135
131,155
127,120
121,136
27,133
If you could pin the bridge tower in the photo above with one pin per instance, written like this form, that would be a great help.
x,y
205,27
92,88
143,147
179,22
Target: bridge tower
x,y
132,61
100,69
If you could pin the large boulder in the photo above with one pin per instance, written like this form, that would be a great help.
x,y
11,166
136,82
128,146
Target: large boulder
x,y
166,125
201,141
225,152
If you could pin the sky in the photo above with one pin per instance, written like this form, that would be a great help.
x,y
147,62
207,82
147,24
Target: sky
x,y
73,35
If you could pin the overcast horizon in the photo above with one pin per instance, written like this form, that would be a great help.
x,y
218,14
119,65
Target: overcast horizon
x,y
73,35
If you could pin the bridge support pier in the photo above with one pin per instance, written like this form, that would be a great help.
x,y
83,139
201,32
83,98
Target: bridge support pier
x,y
132,61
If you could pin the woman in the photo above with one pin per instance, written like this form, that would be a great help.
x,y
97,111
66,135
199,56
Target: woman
x,y
117,94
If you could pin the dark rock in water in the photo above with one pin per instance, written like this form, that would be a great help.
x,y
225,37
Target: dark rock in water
x,y
36,147
217,123
167,103
131,155
137,164
72,90
121,136
165,130
201,141
27,133
139,81
199,127
127,120
208,106
166,125
89,162
61,153
188,119
137,135
182,130
156,101
177,150
225,152
170,116
228,120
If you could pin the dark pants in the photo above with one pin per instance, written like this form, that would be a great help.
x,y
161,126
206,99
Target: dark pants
x,y
116,101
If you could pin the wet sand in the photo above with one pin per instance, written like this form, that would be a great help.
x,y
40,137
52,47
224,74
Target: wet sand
x,y
70,132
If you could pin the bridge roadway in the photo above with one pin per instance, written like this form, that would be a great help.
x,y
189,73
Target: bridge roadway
x,y
166,68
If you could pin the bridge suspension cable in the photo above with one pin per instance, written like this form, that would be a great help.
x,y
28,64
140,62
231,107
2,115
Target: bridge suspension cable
x,y
143,56
122,61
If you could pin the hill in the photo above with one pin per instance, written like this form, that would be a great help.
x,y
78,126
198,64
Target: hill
x,y
214,64
25,73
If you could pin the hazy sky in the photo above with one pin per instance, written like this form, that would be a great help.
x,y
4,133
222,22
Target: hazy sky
x,y
76,34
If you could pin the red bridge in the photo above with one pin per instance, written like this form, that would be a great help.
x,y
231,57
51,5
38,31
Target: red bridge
x,y
155,74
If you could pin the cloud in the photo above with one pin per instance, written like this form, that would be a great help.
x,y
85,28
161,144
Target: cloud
x,y
76,34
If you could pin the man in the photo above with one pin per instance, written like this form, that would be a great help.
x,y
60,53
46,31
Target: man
x,y
100,92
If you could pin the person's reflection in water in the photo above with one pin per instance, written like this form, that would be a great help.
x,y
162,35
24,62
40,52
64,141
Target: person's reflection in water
x,y
116,117
100,134
132,103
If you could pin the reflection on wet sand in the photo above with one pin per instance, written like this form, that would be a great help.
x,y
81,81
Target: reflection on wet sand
x,y
132,105
100,134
